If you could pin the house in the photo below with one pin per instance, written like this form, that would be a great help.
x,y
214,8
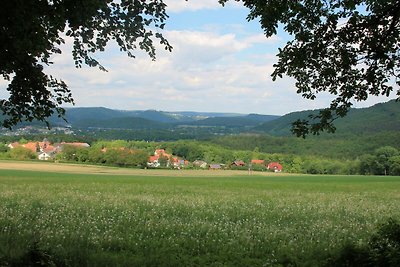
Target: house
x,y
44,156
153,161
275,166
33,146
178,163
45,150
215,167
200,163
238,163
258,161
161,152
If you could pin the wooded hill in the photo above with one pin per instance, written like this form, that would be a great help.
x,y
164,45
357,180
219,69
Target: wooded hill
x,y
378,118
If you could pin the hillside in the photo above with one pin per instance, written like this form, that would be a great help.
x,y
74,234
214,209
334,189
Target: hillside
x,y
250,120
99,117
121,123
378,118
161,125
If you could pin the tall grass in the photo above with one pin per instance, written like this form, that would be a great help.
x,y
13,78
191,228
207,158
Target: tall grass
x,y
89,220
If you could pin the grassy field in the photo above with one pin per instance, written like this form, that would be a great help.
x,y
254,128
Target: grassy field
x,y
116,217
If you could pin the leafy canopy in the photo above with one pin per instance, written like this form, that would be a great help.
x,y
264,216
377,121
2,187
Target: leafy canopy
x,y
31,31
348,48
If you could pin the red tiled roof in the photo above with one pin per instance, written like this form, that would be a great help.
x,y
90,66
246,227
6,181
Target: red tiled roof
x,y
275,166
31,146
161,152
257,161
239,163
153,158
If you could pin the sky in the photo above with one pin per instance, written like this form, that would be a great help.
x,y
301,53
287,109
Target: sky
x,y
220,62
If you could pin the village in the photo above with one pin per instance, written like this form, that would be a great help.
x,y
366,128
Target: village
x,y
48,151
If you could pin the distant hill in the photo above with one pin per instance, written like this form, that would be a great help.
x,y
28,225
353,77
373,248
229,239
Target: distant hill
x,y
100,117
161,116
378,118
262,118
77,115
237,121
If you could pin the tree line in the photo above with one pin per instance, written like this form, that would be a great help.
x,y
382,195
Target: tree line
x,y
384,160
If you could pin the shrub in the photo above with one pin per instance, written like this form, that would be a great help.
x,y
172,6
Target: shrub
x,y
382,249
33,257
21,153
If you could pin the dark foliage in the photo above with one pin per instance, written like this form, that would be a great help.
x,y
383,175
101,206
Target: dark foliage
x,y
383,249
33,257
30,33
349,49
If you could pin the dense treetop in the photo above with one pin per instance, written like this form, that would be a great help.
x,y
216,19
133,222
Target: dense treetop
x,y
32,30
349,49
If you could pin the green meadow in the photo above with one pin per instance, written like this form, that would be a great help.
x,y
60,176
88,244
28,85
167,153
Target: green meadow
x,y
127,220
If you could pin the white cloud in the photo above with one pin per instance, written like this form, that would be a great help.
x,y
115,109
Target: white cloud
x,y
261,39
192,47
203,73
206,71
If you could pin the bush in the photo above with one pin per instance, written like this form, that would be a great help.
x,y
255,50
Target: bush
x,y
21,153
383,249
33,257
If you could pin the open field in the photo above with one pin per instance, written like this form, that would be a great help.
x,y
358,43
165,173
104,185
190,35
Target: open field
x,y
99,170
81,218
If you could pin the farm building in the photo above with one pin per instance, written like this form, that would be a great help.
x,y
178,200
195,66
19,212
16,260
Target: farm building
x,y
238,163
275,166
215,167
200,163
45,150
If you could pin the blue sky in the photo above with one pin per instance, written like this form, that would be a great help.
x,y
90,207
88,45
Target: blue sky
x,y
220,63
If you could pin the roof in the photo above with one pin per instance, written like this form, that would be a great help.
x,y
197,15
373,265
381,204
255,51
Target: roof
x,y
239,163
257,161
275,166
215,166
153,158
161,152
33,146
